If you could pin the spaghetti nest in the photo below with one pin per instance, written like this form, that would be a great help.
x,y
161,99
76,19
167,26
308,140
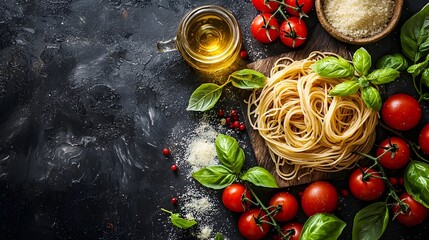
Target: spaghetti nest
x,y
305,127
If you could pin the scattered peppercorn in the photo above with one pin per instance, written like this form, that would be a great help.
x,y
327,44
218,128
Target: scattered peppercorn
x,y
242,127
174,200
166,152
174,168
393,181
243,54
220,113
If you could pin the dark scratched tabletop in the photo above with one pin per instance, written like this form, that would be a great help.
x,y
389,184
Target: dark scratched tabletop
x,y
86,106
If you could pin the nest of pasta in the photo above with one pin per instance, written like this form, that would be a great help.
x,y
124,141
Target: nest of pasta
x,y
304,126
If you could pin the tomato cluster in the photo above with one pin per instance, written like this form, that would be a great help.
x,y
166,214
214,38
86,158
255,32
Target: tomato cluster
x,y
255,220
292,31
400,112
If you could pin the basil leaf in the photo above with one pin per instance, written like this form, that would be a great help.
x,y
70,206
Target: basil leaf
x,y
204,97
363,82
346,88
229,153
415,35
416,69
260,177
322,226
332,67
416,181
371,222
218,237
372,98
362,61
396,61
179,222
215,177
382,76
247,79
424,78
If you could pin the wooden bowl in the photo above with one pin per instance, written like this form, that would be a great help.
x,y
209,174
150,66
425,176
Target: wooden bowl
x,y
358,41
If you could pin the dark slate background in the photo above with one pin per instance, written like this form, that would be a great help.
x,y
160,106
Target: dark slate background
x,y
86,106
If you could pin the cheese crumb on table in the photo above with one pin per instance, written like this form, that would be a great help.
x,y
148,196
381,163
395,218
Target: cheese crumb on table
x,y
358,18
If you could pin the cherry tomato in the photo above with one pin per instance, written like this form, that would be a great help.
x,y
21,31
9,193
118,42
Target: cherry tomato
x,y
233,197
299,8
293,32
293,230
416,213
265,28
319,197
367,189
288,203
397,159
252,225
424,139
401,112
269,7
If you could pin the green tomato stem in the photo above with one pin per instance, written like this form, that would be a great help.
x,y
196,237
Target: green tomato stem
x,y
165,210
265,209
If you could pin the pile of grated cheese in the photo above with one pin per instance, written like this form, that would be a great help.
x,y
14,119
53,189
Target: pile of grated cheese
x,y
359,18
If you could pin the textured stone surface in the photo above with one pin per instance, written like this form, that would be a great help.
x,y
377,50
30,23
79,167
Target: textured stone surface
x,y
86,106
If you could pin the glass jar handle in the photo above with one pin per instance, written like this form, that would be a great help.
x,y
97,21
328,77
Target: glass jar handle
x,y
167,46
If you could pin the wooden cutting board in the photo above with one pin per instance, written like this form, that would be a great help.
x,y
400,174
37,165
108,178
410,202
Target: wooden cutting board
x,y
318,40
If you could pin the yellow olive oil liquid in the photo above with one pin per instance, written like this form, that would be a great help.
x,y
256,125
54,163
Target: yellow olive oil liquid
x,y
209,36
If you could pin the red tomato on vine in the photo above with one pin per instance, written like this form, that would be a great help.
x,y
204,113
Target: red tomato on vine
x,y
319,197
252,224
397,159
293,32
265,28
366,184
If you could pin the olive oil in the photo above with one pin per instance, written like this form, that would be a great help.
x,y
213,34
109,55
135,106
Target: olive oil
x,y
209,38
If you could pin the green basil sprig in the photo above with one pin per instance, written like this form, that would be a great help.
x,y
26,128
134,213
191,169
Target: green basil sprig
x,y
179,222
218,237
322,226
415,35
215,177
416,181
207,94
424,78
362,61
204,97
260,177
231,156
332,67
371,222
229,153
396,61
338,67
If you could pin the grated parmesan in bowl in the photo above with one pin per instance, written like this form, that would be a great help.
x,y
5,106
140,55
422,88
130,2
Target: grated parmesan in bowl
x,y
358,21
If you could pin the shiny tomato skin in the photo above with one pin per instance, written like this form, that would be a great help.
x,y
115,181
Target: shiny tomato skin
x,y
401,112
232,197
306,6
369,189
293,32
396,160
296,226
289,206
424,139
416,213
249,227
269,7
319,197
265,33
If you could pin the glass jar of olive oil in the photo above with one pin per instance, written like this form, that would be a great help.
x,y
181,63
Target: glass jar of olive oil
x,y
208,38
